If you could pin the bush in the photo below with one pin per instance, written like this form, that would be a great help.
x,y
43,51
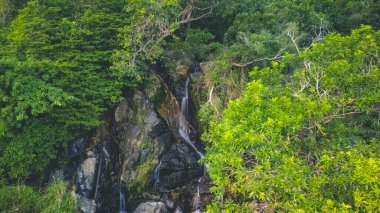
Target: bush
x,y
23,198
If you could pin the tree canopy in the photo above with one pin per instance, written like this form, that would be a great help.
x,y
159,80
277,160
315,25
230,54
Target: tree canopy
x,y
304,140
55,77
287,94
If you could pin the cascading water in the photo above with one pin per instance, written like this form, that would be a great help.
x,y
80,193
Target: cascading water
x,y
187,140
122,202
184,133
156,176
197,197
183,123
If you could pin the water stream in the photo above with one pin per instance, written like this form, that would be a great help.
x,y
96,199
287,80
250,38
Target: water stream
x,y
122,203
183,123
184,133
156,176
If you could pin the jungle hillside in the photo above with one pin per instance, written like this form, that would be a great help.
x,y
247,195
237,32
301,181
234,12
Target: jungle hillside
x,y
282,106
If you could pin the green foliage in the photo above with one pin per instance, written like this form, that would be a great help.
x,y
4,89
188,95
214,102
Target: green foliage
x,y
198,43
150,22
57,198
348,14
258,33
31,151
55,77
304,140
22,198
19,198
310,117
57,48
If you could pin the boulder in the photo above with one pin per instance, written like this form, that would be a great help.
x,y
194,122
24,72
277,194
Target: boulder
x,y
86,175
122,112
151,207
86,205
179,166
142,136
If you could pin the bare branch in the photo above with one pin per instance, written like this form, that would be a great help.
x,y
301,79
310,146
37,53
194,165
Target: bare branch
x,y
187,13
331,117
320,32
274,58
210,101
294,38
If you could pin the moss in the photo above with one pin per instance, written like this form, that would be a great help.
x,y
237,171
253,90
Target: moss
x,y
145,169
147,143
143,173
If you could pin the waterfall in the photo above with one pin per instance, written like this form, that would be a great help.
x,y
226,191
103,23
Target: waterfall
x,y
183,123
187,140
184,133
185,100
122,203
99,171
197,197
156,176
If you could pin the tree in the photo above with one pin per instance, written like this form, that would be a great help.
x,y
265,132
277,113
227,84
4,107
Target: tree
x,y
304,136
150,23
55,78
258,33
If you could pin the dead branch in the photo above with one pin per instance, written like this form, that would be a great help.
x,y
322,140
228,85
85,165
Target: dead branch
x,y
274,58
331,117
187,13
294,38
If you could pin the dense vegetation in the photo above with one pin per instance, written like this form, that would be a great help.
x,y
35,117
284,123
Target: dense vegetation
x,y
55,78
303,136
305,141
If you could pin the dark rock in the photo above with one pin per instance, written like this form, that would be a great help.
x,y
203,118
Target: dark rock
x,y
124,157
178,167
70,171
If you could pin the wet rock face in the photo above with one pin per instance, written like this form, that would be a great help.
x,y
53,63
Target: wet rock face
x,y
151,207
142,135
123,112
94,167
138,151
178,167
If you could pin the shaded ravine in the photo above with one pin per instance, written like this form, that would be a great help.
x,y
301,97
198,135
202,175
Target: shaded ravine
x,y
184,130
184,133
143,158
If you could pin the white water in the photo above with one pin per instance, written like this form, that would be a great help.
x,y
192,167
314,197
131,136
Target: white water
x,y
122,203
157,175
183,123
184,133
187,140
197,197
